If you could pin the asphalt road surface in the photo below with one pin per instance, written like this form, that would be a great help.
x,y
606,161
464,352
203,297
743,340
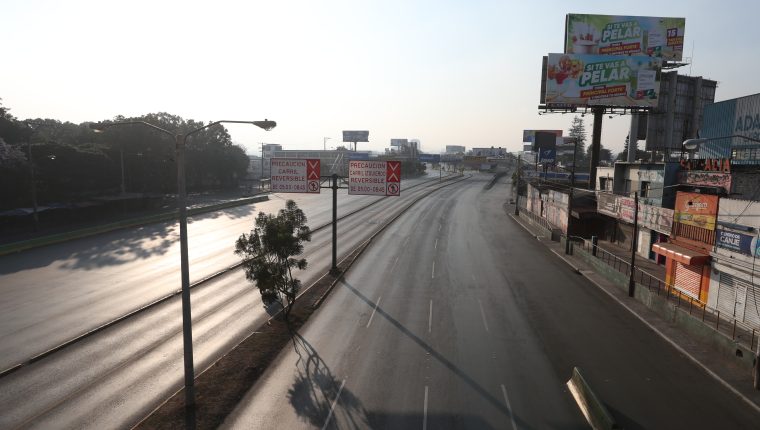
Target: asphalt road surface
x,y
117,376
457,318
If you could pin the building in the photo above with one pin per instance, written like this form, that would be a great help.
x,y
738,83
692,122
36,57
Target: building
x,y
331,161
654,184
726,164
687,253
267,152
489,152
734,289
679,111
455,149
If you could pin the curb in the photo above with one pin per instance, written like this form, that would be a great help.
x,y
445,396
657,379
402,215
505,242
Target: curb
x,y
593,409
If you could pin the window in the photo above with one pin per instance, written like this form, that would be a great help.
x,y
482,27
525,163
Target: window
x,y
645,186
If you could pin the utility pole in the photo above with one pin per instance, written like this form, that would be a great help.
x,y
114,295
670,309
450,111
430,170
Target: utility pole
x,y
570,199
35,217
634,245
261,179
517,188
596,144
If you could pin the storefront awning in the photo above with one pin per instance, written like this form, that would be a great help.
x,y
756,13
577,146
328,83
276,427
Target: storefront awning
x,y
681,254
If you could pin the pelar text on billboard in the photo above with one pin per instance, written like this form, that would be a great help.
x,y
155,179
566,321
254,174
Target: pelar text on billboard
x,y
375,178
602,80
295,175
625,35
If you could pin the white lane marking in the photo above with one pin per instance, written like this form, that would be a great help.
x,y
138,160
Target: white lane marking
x,y
406,241
483,314
430,317
433,274
436,244
374,310
473,277
511,412
424,410
394,263
439,226
332,407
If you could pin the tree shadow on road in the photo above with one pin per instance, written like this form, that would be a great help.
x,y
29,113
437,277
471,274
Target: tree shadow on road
x,y
316,388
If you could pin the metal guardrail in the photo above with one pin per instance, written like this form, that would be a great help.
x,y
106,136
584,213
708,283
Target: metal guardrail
x,y
736,330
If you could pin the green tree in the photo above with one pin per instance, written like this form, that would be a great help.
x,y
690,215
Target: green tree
x,y
578,131
640,154
269,254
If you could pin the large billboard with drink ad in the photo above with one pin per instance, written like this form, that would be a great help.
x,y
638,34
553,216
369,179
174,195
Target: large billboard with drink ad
x,y
602,80
625,35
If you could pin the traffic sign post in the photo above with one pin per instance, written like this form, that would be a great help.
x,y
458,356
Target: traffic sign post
x,y
294,175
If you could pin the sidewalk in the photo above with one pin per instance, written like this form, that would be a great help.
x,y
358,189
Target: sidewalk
x,y
734,372
643,263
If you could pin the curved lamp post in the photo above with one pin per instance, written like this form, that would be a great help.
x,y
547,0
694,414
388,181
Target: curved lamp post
x,y
180,141
693,144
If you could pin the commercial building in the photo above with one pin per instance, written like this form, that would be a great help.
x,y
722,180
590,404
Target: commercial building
x,y
653,182
267,152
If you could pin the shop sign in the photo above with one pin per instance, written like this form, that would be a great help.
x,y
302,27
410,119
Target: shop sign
x,y
708,165
732,241
698,210
707,179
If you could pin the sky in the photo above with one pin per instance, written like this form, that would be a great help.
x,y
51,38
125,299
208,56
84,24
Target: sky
x,y
445,72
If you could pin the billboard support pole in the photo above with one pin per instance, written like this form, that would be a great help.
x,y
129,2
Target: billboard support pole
x,y
334,268
634,244
570,200
596,143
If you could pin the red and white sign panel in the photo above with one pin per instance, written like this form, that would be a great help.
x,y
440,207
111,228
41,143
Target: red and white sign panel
x,y
293,175
374,178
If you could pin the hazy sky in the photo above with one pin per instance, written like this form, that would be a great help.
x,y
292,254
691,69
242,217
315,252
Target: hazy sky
x,y
445,72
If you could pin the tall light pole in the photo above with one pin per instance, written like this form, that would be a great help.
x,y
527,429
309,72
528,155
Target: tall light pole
x,y
35,217
180,140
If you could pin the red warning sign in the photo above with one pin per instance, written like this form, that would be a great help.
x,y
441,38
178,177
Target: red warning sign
x,y
375,178
292,175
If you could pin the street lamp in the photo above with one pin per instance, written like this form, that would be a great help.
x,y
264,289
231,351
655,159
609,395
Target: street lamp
x,y
693,144
180,141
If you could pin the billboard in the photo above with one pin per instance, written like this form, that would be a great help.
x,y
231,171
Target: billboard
x,y
602,80
295,175
429,158
625,35
374,178
355,135
530,135
547,156
399,142
698,210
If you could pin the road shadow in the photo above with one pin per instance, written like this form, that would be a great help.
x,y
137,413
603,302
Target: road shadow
x,y
107,249
235,212
482,392
315,389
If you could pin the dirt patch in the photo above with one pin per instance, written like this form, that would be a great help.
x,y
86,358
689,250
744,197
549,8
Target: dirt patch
x,y
224,384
